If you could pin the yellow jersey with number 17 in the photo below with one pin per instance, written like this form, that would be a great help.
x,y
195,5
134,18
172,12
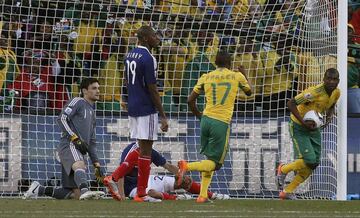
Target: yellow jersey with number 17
x,y
220,87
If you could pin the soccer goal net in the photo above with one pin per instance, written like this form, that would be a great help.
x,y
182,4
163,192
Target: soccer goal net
x,y
47,47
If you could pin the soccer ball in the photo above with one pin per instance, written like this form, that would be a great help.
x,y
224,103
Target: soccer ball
x,y
314,116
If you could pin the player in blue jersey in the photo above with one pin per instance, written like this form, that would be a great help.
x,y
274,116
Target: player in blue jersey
x,y
143,103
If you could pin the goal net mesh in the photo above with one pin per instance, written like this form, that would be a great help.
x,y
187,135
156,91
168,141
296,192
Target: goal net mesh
x,y
47,47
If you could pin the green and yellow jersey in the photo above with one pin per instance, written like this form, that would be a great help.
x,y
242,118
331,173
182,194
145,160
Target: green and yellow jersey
x,y
8,68
254,71
174,68
87,32
276,81
315,98
220,87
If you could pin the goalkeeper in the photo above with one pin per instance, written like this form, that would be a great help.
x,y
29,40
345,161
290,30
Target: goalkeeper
x,y
77,122
306,137
220,87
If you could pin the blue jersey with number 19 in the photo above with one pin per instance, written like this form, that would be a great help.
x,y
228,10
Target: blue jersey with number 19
x,y
140,70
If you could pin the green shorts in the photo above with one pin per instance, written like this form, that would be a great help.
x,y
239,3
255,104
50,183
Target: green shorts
x,y
307,144
214,139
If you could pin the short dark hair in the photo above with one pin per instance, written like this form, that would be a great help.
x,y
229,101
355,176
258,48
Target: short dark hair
x,y
331,70
85,83
143,32
223,59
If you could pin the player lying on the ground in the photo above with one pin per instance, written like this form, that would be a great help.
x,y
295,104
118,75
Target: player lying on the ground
x,y
159,188
128,170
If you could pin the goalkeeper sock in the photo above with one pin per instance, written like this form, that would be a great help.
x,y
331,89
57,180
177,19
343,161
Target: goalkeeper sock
x,y
58,193
80,180
202,166
143,174
293,166
300,177
41,191
167,196
195,189
205,182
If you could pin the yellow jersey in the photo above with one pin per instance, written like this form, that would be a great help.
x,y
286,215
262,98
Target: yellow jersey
x,y
275,81
315,98
220,87
87,32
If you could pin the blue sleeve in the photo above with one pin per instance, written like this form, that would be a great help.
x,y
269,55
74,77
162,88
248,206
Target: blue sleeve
x,y
123,155
150,68
157,158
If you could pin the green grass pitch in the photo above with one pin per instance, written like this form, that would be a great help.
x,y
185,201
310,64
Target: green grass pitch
x,y
230,208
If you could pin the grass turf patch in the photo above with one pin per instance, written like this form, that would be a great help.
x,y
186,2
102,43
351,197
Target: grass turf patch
x,y
229,208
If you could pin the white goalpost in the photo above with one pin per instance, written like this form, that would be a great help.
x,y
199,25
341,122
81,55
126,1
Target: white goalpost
x,y
285,46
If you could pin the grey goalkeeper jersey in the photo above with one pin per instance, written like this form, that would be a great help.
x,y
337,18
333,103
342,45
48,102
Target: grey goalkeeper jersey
x,y
78,117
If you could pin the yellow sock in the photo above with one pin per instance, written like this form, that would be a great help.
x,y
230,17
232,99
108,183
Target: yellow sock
x,y
202,166
301,176
293,166
205,182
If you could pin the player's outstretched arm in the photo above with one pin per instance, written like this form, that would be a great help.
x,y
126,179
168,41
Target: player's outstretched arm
x,y
192,104
171,168
329,114
155,194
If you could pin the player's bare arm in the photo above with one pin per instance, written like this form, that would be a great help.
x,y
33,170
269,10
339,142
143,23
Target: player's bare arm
x,y
192,104
329,114
155,194
242,70
171,168
157,102
293,109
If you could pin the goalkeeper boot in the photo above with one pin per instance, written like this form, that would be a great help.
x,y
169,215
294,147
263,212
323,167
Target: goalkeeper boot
x,y
287,196
203,200
91,195
33,191
112,188
280,177
219,196
98,195
182,170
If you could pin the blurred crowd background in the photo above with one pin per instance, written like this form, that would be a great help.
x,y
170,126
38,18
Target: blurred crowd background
x,y
284,46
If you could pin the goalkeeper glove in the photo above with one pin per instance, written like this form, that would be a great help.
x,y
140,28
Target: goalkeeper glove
x,y
79,144
99,174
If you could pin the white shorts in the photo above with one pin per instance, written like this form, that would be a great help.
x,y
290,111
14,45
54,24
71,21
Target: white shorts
x,y
145,127
158,183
